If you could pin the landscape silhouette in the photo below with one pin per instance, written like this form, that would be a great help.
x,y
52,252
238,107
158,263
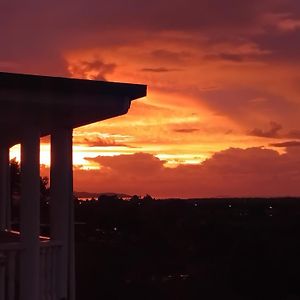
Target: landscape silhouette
x,y
149,150
141,247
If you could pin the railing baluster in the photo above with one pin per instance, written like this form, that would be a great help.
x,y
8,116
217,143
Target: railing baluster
x,y
46,272
53,271
2,275
47,269
11,286
9,270
50,250
42,268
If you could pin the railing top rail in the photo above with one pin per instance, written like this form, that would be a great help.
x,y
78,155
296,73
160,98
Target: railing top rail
x,y
50,243
18,246
10,246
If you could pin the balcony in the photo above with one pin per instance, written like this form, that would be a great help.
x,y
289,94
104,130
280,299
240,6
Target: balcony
x,y
47,106
10,255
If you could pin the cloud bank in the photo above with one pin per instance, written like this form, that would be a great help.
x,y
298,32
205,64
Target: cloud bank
x,y
232,172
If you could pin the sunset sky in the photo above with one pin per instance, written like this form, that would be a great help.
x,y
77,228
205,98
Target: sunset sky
x,y
222,113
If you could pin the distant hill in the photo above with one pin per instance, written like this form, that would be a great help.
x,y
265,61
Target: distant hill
x,y
96,195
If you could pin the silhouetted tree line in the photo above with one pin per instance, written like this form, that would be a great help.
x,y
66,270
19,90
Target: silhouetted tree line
x,y
15,180
15,190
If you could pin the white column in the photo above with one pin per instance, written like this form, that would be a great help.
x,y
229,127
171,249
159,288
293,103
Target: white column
x,y
61,206
4,188
30,214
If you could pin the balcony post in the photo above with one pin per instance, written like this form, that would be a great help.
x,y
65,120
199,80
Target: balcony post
x,y
61,206
4,188
30,214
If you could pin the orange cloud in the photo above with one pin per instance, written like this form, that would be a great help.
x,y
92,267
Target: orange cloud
x,y
94,69
99,142
233,172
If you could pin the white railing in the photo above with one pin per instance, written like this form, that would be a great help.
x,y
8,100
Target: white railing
x,y
49,270
9,270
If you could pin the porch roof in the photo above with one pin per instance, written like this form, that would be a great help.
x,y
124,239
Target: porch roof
x,y
54,102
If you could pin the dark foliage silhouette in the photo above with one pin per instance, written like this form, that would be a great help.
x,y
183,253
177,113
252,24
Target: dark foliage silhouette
x,y
15,190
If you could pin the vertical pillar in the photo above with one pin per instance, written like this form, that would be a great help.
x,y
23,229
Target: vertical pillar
x,y
30,214
61,206
4,188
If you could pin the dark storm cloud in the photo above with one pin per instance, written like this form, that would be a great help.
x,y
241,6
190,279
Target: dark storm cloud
x,y
99,142
170,56
287,144
244,104
158,70
226,56
294,134
35,34
186,130
273,132
282,46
